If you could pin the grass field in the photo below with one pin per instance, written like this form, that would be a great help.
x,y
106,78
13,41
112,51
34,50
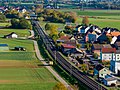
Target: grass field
x,y
19,32
102,18
24,75
4,24
21,70
28,44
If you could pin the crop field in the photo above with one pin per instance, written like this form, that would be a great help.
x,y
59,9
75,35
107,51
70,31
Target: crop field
x,y
21,70
19,32
102,18
24,75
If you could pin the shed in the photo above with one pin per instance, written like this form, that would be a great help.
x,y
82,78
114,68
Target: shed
x,y
4,47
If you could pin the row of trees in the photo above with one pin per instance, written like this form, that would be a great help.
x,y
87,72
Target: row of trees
x,y
56,16
20,24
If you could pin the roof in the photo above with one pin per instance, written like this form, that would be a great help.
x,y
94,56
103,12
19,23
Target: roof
x,y
70,42
65,38
99,67
68,46
113,34
110,79
118,43
3,45
97,46
108,50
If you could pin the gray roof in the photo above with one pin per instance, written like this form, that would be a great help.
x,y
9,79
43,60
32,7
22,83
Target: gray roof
x,y
110,79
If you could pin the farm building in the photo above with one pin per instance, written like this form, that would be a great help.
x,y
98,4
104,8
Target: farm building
x,y
4,47
11,35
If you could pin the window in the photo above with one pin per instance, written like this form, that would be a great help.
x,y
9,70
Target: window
x,y
101,74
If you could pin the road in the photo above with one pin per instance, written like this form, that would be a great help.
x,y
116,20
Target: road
x,y
49,44
49,68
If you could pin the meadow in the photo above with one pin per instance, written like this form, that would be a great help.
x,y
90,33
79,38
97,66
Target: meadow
x,y
19,32
21,70
102,18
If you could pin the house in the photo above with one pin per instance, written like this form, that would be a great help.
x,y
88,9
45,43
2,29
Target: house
x,y
117,45
96,48
100,71
102,38
65,38
115,62
106,54
11,35
78,28
110,80
91,37
67,49
4,47
112,34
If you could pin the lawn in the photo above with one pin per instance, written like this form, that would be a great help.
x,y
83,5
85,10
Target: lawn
x,y
21,70
19,32
22,75
28,44
103,22
4,24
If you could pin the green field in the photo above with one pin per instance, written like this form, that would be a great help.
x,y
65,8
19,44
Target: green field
x,y
24,75
102,18
28,44
4,24
19,32
21,70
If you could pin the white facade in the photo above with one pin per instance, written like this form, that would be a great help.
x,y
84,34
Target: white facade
x,y
109,83
14,36
115,66
110,56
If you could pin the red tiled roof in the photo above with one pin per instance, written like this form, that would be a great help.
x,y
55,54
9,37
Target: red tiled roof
x,y
108,50
64,38
113,34
68,46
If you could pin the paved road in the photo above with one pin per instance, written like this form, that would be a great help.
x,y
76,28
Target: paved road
x,y
48,67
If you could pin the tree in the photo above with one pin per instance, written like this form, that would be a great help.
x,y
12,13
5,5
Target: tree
x,y
24,24
84,68
53,30
2,17
85,20
78,45
109,39
14,23
47,26
61,34
95,55
59,86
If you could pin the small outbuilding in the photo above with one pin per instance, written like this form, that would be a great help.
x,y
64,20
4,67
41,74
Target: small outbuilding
x,y
11,35
20,48
4,47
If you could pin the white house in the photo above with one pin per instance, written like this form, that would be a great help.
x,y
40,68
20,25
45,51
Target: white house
x,y
109,80
107,54
11,35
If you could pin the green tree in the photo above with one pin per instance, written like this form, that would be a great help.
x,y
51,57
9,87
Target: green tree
x,y
59,86
53,30
14,23
85,20
109,39
78,45
84,68
47,26
2,17
61,34
24,24
95,55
